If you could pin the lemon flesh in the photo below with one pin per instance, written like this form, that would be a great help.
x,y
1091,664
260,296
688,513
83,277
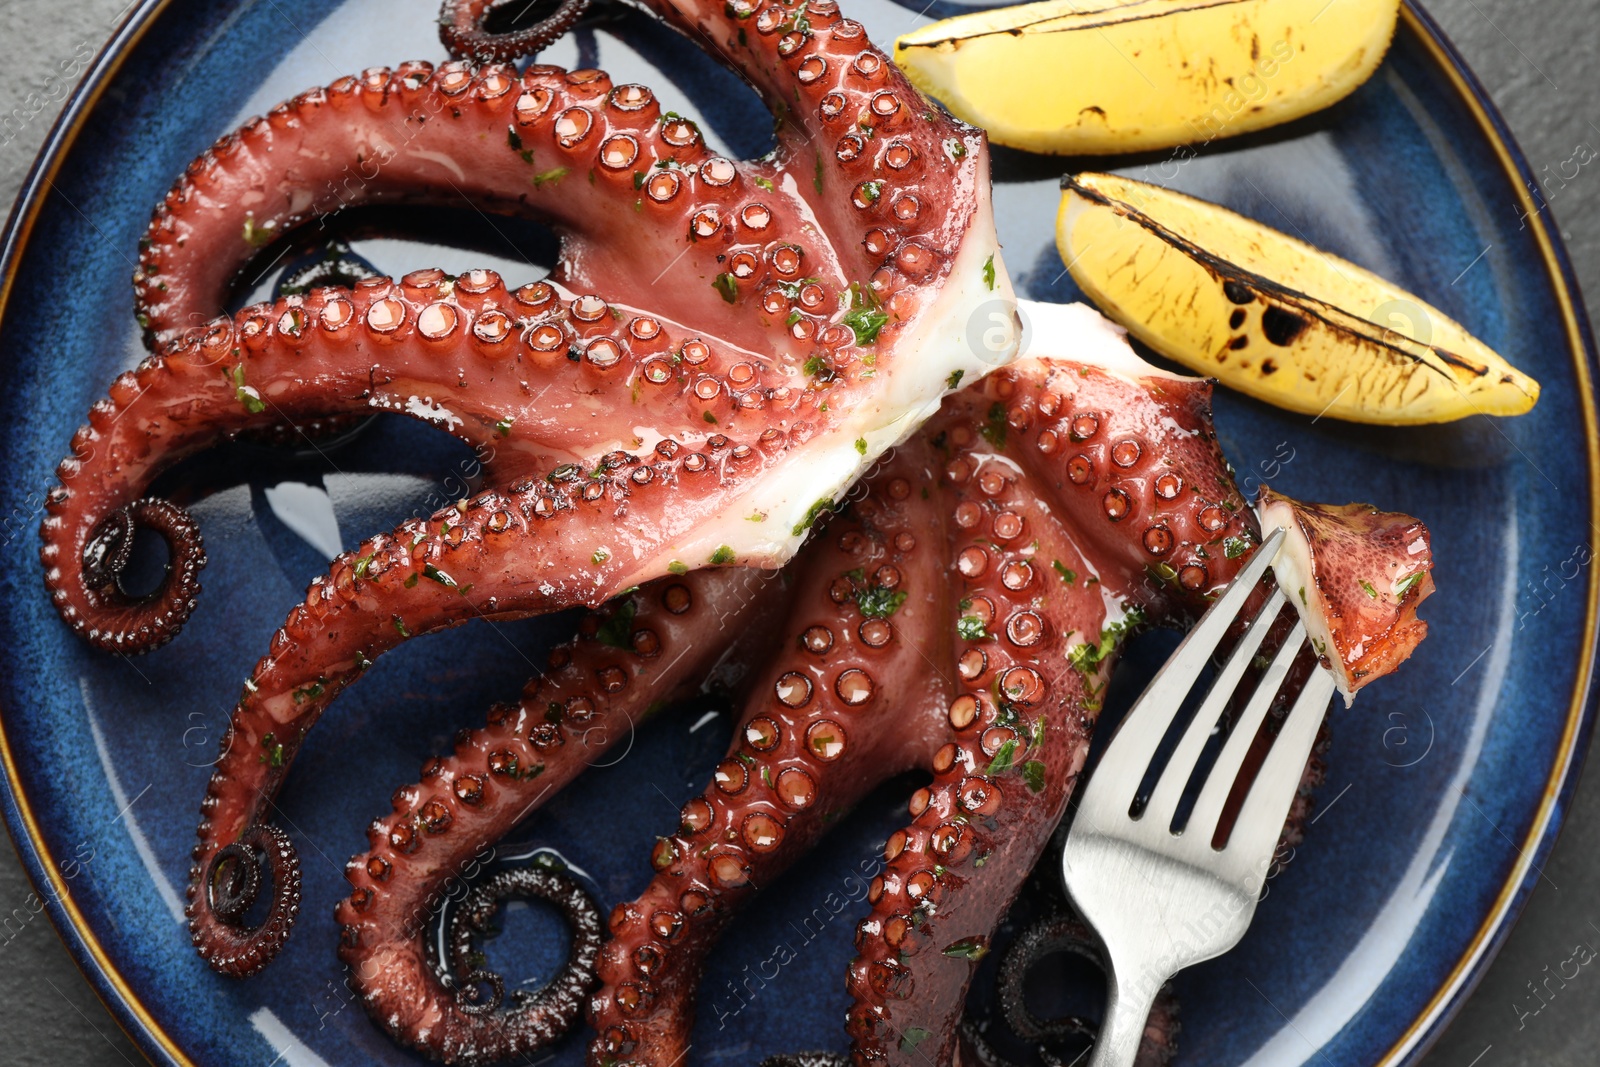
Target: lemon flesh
x,y
1102,76
1272,316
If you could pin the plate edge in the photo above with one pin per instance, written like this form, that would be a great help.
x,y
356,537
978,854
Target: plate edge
x,y
136,1021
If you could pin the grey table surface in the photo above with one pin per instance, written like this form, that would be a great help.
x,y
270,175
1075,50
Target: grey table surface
x,y
1537,59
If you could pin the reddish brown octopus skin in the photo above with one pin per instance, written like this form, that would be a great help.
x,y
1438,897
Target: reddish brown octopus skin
x,y
1002,773
442,829
978,829
872,197
990,491
849,703
1370,570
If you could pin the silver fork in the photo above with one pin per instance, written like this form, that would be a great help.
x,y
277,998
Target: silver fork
x,y
1162,901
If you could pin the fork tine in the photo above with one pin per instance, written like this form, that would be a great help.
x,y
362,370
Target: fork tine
x,y
1169,790
1219,783
1141,730
1267,804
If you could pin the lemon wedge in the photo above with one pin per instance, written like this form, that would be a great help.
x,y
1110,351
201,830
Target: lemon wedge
x,y
1272,316
1100,76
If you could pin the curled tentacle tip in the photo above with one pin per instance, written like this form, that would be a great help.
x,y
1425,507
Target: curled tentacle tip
x,y
472,1002
232,885
463,29
111,618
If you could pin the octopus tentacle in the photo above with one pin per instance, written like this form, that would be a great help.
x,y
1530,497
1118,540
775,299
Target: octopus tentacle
x,y
1015,738
442,828
102,612
494,556
807,288
232,884
464,35
822,728
419,134
1041,563
1129,457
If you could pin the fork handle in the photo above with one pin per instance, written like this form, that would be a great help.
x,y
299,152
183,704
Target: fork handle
x,y
1127,1011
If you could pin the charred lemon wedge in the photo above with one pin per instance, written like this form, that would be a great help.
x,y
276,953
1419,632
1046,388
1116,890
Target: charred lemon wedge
x,y
1101,76
1272,316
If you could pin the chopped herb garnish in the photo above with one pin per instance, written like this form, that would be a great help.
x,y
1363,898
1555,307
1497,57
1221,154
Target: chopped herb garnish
x,y
1068,575
547,177
1303,597
1003,757
1406,584
310,692
818,368
434,574
817,181
914,1036
809,520
1366,587
712,419
765,183
273,757
878,602
722,555
988,273
515,142
861,445
994,427
675,567
1033,776
600,556
1086,659
257,236
954,379
727,285
955,149
246,394
617,631
971,628
968,948
503,427
864,318
361,566
1234,547
400,626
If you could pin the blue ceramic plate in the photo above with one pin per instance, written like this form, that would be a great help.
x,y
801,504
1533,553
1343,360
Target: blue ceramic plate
x,y
1445,785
